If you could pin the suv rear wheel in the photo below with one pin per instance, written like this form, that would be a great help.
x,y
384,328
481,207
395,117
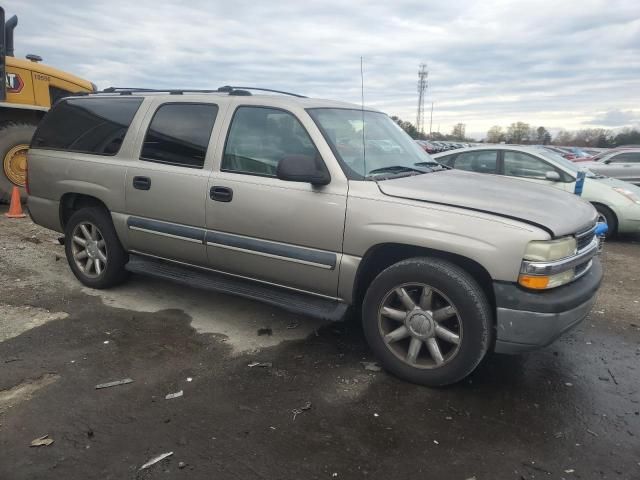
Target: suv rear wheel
x,y
427,320
93,249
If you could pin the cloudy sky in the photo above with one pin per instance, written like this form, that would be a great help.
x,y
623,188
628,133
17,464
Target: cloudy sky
x,y
562,64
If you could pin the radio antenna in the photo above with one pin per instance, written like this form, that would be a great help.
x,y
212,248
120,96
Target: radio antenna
x,y
364,148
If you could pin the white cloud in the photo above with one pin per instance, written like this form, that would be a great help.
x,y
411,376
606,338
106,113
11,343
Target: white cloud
x,y
557,64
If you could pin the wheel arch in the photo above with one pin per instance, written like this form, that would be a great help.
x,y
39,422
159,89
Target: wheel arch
x,y
72,202
381,256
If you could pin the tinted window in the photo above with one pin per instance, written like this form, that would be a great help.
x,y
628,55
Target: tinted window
x,y
628,157
87,125
481,161
179,134
260,137
518,164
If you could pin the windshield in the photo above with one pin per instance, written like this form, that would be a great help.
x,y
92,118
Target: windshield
x,y
383,147
563,162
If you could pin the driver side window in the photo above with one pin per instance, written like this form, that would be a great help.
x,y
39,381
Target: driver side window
x,y
519,164
260,137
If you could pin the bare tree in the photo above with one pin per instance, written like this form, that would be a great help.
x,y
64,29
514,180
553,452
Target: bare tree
x,y
495,134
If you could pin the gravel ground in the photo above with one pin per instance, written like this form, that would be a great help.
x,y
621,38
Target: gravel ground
x,y
313,411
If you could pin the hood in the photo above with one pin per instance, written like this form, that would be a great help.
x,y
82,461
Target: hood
x,y
558,212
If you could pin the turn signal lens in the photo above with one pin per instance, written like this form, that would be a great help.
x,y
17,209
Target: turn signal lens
x,y
542,282
534,282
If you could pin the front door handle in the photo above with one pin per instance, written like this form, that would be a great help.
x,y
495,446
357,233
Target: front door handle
x,y
141,183
221,194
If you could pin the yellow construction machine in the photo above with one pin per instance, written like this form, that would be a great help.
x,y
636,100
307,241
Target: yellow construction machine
x,y
29,90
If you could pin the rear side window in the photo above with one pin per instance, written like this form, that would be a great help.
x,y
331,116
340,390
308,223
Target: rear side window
x,y
481,161
87,125
179,134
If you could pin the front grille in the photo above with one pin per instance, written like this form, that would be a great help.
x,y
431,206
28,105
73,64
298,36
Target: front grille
x,y
585,237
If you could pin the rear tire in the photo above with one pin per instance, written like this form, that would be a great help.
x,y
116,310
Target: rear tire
x,y
435,338
93,250
610,217
11,135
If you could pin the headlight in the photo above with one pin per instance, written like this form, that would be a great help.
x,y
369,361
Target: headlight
x,y
547,250
628,193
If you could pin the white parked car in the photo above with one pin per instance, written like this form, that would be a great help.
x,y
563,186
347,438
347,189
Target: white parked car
x,y
618,202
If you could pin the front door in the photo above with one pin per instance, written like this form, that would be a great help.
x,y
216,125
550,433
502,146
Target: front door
x,y
286,233
533,169
166,186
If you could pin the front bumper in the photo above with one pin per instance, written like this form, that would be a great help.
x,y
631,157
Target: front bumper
x,y
528,320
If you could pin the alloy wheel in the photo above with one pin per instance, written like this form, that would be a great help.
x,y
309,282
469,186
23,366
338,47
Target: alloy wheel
x,y
420,325
89,249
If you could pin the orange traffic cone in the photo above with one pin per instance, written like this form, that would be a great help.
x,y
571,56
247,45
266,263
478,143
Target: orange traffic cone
x,y
15,208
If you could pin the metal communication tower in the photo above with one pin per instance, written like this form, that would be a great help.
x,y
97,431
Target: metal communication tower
x,y
422,88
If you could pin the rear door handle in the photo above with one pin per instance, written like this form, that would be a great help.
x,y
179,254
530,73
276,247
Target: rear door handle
x,y
141,183
221,194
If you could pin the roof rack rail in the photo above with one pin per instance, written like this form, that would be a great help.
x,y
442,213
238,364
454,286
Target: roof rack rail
x,y
240,91
230,90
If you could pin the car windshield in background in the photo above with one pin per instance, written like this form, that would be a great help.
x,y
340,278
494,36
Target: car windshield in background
x,y
571,166
382,149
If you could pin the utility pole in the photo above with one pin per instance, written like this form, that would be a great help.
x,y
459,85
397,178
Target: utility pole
x,y
422,87
431,121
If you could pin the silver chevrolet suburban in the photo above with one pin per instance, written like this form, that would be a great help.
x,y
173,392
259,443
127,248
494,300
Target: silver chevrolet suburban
x,y
314,206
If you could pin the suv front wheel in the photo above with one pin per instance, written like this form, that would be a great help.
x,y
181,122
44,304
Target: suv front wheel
x,y
427,320
93,249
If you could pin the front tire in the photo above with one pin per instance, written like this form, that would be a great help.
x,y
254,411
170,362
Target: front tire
x,y
427,320
93,250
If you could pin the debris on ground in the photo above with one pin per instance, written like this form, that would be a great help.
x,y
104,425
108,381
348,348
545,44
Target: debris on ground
x,y
247,409
569,470
612,376
43,441
591,432
155,460
116,383
189,379
182,465
371,366
169,396
265,331
260,364
568,384
298,411
436,442
293,325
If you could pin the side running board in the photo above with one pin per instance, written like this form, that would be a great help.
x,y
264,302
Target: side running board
x,y
290,300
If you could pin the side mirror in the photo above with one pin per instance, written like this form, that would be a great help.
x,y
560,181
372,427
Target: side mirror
x,y
607,161
552,176
303,168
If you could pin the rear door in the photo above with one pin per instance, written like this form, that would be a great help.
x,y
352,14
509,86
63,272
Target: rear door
x,y
166,185
624,166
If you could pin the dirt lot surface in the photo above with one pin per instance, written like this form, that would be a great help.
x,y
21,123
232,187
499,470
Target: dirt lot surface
x,y
568,411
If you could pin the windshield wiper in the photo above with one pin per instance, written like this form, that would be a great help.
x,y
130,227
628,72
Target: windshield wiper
x,y
432,165
397,170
